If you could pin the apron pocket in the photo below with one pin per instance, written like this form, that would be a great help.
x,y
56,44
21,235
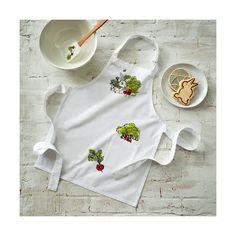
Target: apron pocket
x,y
119,153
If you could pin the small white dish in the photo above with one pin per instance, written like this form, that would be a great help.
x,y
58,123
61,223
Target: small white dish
x,y
201,89
57,35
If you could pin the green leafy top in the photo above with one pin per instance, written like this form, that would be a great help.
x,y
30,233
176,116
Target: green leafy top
x,y
132,83
95,156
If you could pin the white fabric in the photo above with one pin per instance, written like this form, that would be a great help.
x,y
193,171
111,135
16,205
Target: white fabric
x,y
88,118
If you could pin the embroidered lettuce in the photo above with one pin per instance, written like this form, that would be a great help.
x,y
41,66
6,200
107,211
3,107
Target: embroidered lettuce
x,y
128,132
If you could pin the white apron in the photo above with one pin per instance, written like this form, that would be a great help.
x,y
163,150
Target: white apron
x,y
106,133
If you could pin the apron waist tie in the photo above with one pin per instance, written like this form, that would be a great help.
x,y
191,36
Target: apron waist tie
x,y
42,148
177,139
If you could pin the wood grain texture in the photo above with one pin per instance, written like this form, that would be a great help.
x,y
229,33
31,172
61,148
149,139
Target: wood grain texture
x,y
185,187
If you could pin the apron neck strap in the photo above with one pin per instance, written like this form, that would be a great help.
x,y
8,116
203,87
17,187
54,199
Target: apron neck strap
x,y
149,40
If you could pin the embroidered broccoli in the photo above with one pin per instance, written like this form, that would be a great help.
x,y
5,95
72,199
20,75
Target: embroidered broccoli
x,y
96,156
125,84
128,132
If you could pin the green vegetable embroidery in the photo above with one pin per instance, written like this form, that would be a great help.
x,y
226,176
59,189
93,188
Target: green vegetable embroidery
x,y
125,84
96,156
128,132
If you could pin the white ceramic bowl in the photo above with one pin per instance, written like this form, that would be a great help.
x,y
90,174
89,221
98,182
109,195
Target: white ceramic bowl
x,y
201,90
57,35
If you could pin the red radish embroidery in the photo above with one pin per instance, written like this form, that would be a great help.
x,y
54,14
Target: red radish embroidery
x,y
100,167
96,156
127,92
127,138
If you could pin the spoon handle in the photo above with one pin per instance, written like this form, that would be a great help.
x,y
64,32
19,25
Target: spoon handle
x,y
95,28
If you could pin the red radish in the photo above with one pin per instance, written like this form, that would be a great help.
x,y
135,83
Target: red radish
x,y
127,138
100,167
129,92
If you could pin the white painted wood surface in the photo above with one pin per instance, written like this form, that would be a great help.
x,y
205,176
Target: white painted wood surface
x,y
187,186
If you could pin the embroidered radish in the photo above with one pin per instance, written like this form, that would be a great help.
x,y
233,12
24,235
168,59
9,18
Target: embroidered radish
x,y
127,138
127,92
99,167
96,156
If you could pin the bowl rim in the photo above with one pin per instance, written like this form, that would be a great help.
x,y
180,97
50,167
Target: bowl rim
x,y
75,66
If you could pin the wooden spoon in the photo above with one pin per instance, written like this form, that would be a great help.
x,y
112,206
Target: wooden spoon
x,y
74,48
